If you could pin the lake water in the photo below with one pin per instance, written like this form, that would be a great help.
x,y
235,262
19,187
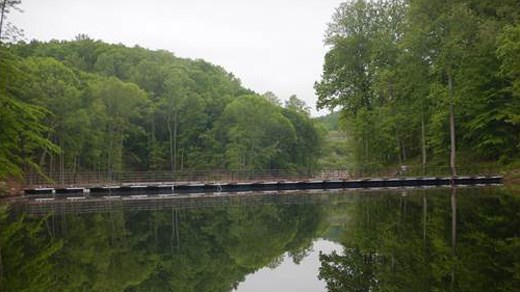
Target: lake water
x,y
440,239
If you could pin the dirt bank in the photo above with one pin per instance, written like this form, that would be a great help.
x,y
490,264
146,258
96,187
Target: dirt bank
x,y
10,188
512,177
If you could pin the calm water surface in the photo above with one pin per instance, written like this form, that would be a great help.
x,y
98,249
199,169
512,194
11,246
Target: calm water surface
x,y
465,239
288,275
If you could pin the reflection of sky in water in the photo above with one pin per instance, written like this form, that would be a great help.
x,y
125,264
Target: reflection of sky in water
x,y
289,276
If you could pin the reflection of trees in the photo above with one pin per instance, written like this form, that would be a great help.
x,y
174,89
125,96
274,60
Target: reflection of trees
x,y
218,247
210,249
407,242
25,252
353,271
453,199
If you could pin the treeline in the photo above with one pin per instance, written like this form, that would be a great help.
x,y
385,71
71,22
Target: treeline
x,y
396,67
110,108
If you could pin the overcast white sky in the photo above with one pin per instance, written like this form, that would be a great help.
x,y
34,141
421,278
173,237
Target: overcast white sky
x,y
274,45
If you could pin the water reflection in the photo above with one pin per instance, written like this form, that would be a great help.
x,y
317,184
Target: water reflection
x,y
450,240
289,275
413,240
196,249
25,253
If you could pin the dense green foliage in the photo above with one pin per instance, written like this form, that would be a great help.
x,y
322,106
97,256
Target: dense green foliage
x,y
394,67
111,108
22,131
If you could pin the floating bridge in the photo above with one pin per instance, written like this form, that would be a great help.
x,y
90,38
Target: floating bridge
x,y
132,189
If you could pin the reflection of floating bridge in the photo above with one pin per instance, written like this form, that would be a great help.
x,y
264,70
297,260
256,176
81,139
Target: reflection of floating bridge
x,y
127,202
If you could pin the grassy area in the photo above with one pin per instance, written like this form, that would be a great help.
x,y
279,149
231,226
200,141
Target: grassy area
x,y
335,153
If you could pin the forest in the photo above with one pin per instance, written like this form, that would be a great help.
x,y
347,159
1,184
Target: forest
x,y
85,105
423,82
410,82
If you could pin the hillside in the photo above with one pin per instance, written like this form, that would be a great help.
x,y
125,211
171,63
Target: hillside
x,y
92,106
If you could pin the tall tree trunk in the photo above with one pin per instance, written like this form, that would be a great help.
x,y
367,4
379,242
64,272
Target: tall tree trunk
x,y
452,125
52,174
153,160
182,159
110,150
152,144
251,160
74,167
120,152
2,15
367,159
62,163
398,143
403,147
175,131
423,144
170,138
43,157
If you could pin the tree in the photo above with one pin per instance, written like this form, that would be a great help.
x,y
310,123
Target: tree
x,y
305,151
116,108
122,103
22,129
402,73
6,6
22,135
296,104
185,117
359,74
270,96
452,28
254,133
509,46
56,87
